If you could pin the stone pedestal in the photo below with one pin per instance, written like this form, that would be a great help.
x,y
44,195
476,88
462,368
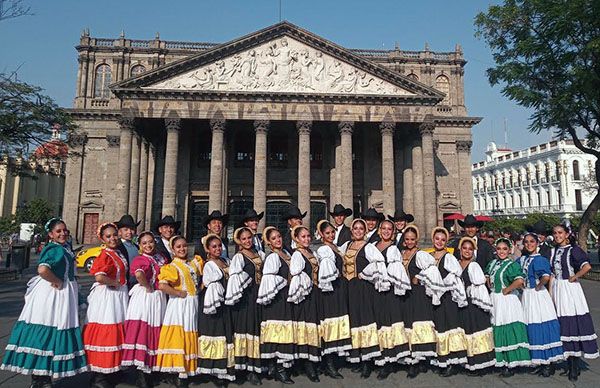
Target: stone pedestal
x,y
215,195
260,169
304,128
169,205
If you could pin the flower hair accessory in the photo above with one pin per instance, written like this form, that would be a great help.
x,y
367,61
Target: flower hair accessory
x,y
104,226
53,220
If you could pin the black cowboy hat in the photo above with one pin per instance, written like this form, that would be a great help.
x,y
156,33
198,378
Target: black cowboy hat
x,y
252,215
540,227
339,210
399,215
294,212
372,214
169,220
127,221
470,220
216,215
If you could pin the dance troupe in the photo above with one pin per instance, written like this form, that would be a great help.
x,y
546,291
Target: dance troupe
x,y
365,295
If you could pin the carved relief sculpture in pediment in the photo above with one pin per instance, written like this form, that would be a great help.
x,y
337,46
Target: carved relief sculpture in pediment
x,y
282,65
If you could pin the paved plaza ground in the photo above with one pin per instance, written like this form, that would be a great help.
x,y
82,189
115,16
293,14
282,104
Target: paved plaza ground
x,y
11,302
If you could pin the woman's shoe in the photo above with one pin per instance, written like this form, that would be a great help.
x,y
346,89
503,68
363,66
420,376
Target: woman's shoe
x,y
385,372
547,371
356,368
537,370
311,371
423,367
447,371
330,369
413,371
253,378
573,369
282,375
507,372
366,369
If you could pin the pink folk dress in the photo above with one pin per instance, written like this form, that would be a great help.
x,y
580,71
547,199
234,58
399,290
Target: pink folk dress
x,y
144,316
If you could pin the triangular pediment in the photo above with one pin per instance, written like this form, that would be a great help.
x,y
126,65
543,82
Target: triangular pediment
x,y
281,59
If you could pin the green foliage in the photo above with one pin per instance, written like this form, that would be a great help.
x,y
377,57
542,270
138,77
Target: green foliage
x,y
519,225
27,116
37,211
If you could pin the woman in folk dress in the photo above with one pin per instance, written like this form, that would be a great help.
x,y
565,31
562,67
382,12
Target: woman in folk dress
x,y
178,341
104,334
145,312
46,340
569,263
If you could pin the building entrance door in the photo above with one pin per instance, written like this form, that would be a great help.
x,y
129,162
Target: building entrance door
x,y
90,226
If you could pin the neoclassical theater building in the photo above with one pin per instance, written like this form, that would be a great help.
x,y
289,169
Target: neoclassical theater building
x,y
280,116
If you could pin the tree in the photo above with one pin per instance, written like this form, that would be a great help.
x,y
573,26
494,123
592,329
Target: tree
x,y
36,211
27,116
547,55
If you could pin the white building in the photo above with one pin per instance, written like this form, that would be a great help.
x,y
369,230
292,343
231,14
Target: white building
x,y
553,177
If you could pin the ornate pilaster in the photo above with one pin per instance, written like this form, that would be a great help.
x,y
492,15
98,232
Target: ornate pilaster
x,y
143,183
150,186
127,125
387,166
429,185
463,150
261,128
72,188
173,127
346,185
134,180
304,128
215,194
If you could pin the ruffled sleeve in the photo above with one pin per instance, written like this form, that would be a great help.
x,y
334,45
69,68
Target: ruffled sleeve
x,y
578,258
141,264
238,280
271,283
300,285
328,272
453,281
513,272
396,271
375,272
103,265
169,275
430,277
477,291
214,293
52,257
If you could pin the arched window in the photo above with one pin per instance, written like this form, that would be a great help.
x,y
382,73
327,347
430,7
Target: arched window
x,y
442,83
137,70
413,76
103,79
576,175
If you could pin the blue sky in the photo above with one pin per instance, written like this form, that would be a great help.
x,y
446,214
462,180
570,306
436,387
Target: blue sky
x,y
41,47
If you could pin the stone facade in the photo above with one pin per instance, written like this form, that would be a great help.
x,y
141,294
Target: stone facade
x,y
276,117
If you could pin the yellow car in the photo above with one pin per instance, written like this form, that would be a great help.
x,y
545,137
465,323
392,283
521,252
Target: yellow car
x,y
85,257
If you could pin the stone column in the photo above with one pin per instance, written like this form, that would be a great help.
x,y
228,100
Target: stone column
x,y
304,128
345,184
260,168
134,180
465,189
417,178
143,183
127,125
388,185
215,195
429,187
171,156
150,186
407,178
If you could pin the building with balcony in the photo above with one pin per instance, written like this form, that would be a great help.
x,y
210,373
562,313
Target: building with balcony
x,y
553,177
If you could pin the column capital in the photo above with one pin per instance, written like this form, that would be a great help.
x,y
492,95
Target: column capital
x,y
436,145
304,127
173,124
77,139
127,123
463,145
387,127
218,125
346,127
426,128
261,126
113,140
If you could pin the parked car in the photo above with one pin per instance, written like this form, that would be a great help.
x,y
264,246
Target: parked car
x,y
85,257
